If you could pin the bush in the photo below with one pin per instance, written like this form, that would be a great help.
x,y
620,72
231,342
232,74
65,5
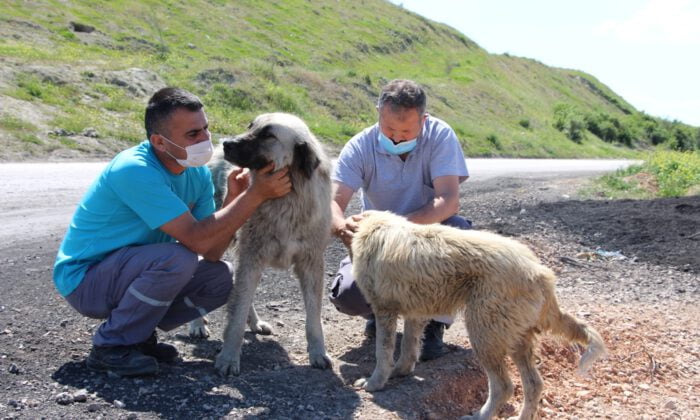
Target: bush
x,y
524,123
608,128
675,172
493,139
570,121
664,174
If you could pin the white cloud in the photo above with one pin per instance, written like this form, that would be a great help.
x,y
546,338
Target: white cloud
x,y
657,22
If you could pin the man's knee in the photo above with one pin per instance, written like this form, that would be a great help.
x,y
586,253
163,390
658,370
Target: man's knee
x,y
345,295
179,262
213,283
222,281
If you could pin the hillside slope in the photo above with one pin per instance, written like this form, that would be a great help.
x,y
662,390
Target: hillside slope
x,y
75,76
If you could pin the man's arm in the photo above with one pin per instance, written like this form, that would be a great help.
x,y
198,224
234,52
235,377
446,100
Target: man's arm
x,y
444,205
341,227
211,236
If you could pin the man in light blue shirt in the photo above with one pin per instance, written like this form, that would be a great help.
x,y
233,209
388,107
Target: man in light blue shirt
x,y
131,255
409,163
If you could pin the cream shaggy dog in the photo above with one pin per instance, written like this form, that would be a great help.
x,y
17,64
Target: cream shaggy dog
x,y
289,231
506,295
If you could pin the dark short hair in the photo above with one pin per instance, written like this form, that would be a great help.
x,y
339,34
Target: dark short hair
x,y
163,103
402,94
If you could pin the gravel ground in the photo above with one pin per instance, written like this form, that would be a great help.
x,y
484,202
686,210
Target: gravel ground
x,y
629,268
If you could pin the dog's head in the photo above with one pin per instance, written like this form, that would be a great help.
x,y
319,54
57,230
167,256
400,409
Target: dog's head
x,y
283,139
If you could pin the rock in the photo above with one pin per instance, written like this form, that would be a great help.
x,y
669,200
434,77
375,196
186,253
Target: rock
x,y
119,404
81,27
64,398
18,405
59,132
14,369
217,75
80,396
90,132
138,81
92,408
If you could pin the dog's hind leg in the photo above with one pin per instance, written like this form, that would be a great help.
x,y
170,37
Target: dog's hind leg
x,y
500,387
524,359
386,340
198,328
257,325
238,308
412,330
491,349
309,271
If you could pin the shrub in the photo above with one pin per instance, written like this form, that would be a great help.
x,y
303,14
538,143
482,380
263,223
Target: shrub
x,y
675,172
568,120
493,139
524,123
608,128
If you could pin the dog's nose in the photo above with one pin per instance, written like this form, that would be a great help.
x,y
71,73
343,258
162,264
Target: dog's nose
x,y
228,144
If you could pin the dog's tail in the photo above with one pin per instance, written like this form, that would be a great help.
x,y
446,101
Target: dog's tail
x,y
573,330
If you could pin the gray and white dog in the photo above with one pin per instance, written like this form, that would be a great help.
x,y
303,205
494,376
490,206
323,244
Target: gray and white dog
x,y
289,231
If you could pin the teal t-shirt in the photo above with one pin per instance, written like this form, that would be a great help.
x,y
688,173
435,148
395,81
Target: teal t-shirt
x,y
125,206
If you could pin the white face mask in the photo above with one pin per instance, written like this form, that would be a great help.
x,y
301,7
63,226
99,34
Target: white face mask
x,y
197,154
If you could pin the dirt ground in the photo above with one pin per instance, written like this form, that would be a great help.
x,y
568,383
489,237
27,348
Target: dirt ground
x,y
629,268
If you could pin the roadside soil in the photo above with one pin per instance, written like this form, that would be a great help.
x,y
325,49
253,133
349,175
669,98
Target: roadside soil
x,y
629,268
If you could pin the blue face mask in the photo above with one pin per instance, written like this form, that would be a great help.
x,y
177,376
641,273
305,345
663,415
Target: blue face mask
x,y
396,149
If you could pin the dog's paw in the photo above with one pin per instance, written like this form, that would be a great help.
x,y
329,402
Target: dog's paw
x,y
262,328
399,371
226,365
320,361
368,384
198,328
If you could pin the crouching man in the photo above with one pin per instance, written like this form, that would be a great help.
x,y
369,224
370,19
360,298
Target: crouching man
x,y
144,247
409,163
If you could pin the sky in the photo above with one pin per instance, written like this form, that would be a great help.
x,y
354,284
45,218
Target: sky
x,y
647,51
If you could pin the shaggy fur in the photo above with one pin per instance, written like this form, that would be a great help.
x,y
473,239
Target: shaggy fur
x,y
506,295
289,231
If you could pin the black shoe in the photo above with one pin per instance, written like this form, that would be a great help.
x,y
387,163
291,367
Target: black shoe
x,y
433,347
165,353
371,327
121,360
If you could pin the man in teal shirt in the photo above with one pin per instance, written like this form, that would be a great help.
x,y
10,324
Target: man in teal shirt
x,y
144,247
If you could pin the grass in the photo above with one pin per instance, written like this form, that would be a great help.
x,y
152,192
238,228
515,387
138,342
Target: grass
x,y
293,56
663,174
22,131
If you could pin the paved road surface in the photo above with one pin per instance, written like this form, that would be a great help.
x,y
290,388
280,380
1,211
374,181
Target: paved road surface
x,y
40,197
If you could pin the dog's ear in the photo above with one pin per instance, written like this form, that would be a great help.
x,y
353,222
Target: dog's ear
x,y
305,159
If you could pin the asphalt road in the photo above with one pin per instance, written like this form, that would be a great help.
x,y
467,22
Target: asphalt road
x,y
39,198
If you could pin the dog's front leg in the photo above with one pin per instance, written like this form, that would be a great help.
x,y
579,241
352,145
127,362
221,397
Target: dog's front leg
x,y
257,325
386,338
228,362
412,330
309,271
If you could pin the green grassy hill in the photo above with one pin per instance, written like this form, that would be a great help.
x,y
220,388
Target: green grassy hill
x,y
66,91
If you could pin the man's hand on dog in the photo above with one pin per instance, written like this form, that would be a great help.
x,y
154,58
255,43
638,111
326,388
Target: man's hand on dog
x,y
347,231
268,184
